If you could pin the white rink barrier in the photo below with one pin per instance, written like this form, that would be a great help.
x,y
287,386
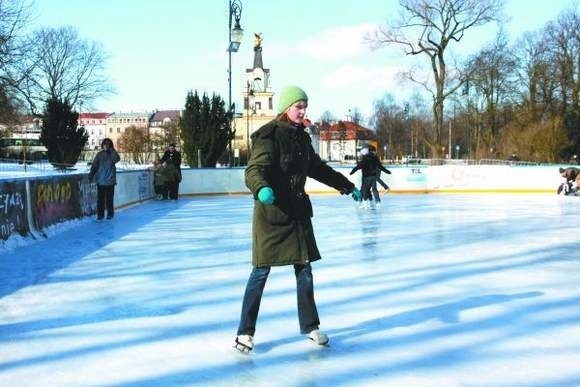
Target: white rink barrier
x,y
31,204
403,179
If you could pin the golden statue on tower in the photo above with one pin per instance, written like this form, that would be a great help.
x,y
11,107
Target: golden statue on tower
x,y
257,40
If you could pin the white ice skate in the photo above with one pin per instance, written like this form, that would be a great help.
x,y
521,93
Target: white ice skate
x,y
318,337
244,343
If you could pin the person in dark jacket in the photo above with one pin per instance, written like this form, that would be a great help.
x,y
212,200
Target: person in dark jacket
x,y
104,173
165,176
375,191
369,164
571,176
282,158
172,156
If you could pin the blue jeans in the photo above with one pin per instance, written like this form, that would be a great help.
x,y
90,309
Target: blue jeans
x,y
307,313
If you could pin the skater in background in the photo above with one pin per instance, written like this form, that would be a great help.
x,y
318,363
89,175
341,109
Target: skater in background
x,y
282,158
373,150
172,156
104,173
571,182
369,164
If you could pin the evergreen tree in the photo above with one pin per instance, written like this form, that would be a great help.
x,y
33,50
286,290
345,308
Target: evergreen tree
x,y
205,129
63,140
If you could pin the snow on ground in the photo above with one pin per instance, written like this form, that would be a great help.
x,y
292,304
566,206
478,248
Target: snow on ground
x,y
431,290
44,168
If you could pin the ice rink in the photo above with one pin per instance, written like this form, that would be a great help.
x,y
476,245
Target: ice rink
x,y
430,290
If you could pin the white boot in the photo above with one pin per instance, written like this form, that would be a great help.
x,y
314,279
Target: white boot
x,y
244,343
318,337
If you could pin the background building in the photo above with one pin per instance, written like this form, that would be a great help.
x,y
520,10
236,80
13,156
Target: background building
x,y
163,128
118,122
96,127
343,140
258,103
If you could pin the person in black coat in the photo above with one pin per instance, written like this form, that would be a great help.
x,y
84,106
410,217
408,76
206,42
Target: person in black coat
x,y
172,156
104,173
369,164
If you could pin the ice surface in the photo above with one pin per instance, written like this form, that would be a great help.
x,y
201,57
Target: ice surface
x,y
430,290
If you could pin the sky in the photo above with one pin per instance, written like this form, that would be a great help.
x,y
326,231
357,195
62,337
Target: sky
x,y
432,290
158,51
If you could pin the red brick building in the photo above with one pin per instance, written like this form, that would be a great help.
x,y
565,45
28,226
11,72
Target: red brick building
x,y
343,140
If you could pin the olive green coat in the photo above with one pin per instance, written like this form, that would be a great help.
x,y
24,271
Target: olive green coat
x,y
282,157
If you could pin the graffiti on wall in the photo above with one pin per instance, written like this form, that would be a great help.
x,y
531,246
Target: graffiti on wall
x,y
13,209
55,200
87,196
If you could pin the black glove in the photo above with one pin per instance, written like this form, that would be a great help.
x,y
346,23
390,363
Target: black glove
x,y
345,191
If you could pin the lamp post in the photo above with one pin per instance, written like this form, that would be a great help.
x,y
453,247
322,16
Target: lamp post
x,y
235,38
249,107
457,151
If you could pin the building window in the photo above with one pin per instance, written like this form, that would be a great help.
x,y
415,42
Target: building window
x,y
110,130
270,104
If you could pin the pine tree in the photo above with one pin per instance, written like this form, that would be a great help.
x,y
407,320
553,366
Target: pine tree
x,y
63,140
205,129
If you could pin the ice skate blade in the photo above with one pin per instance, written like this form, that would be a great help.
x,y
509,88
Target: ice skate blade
x,y
241,349
245,345
318,337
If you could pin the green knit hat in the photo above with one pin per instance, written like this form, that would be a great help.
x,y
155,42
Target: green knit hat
x,y
289,96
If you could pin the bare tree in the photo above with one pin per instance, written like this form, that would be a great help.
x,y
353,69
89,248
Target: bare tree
x,y
388,120
14,17
428,27
65,67
357,116
326,121
564,51
135,142
493,84
531,53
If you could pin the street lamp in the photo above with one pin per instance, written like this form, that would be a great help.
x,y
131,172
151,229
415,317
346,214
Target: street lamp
x,y
457,151
235,38
249,96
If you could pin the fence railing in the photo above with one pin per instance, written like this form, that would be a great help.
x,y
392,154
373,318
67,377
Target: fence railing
x,y
44,166
471,162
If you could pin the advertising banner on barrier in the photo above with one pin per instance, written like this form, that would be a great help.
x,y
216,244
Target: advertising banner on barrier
x,y
59,199
13,218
